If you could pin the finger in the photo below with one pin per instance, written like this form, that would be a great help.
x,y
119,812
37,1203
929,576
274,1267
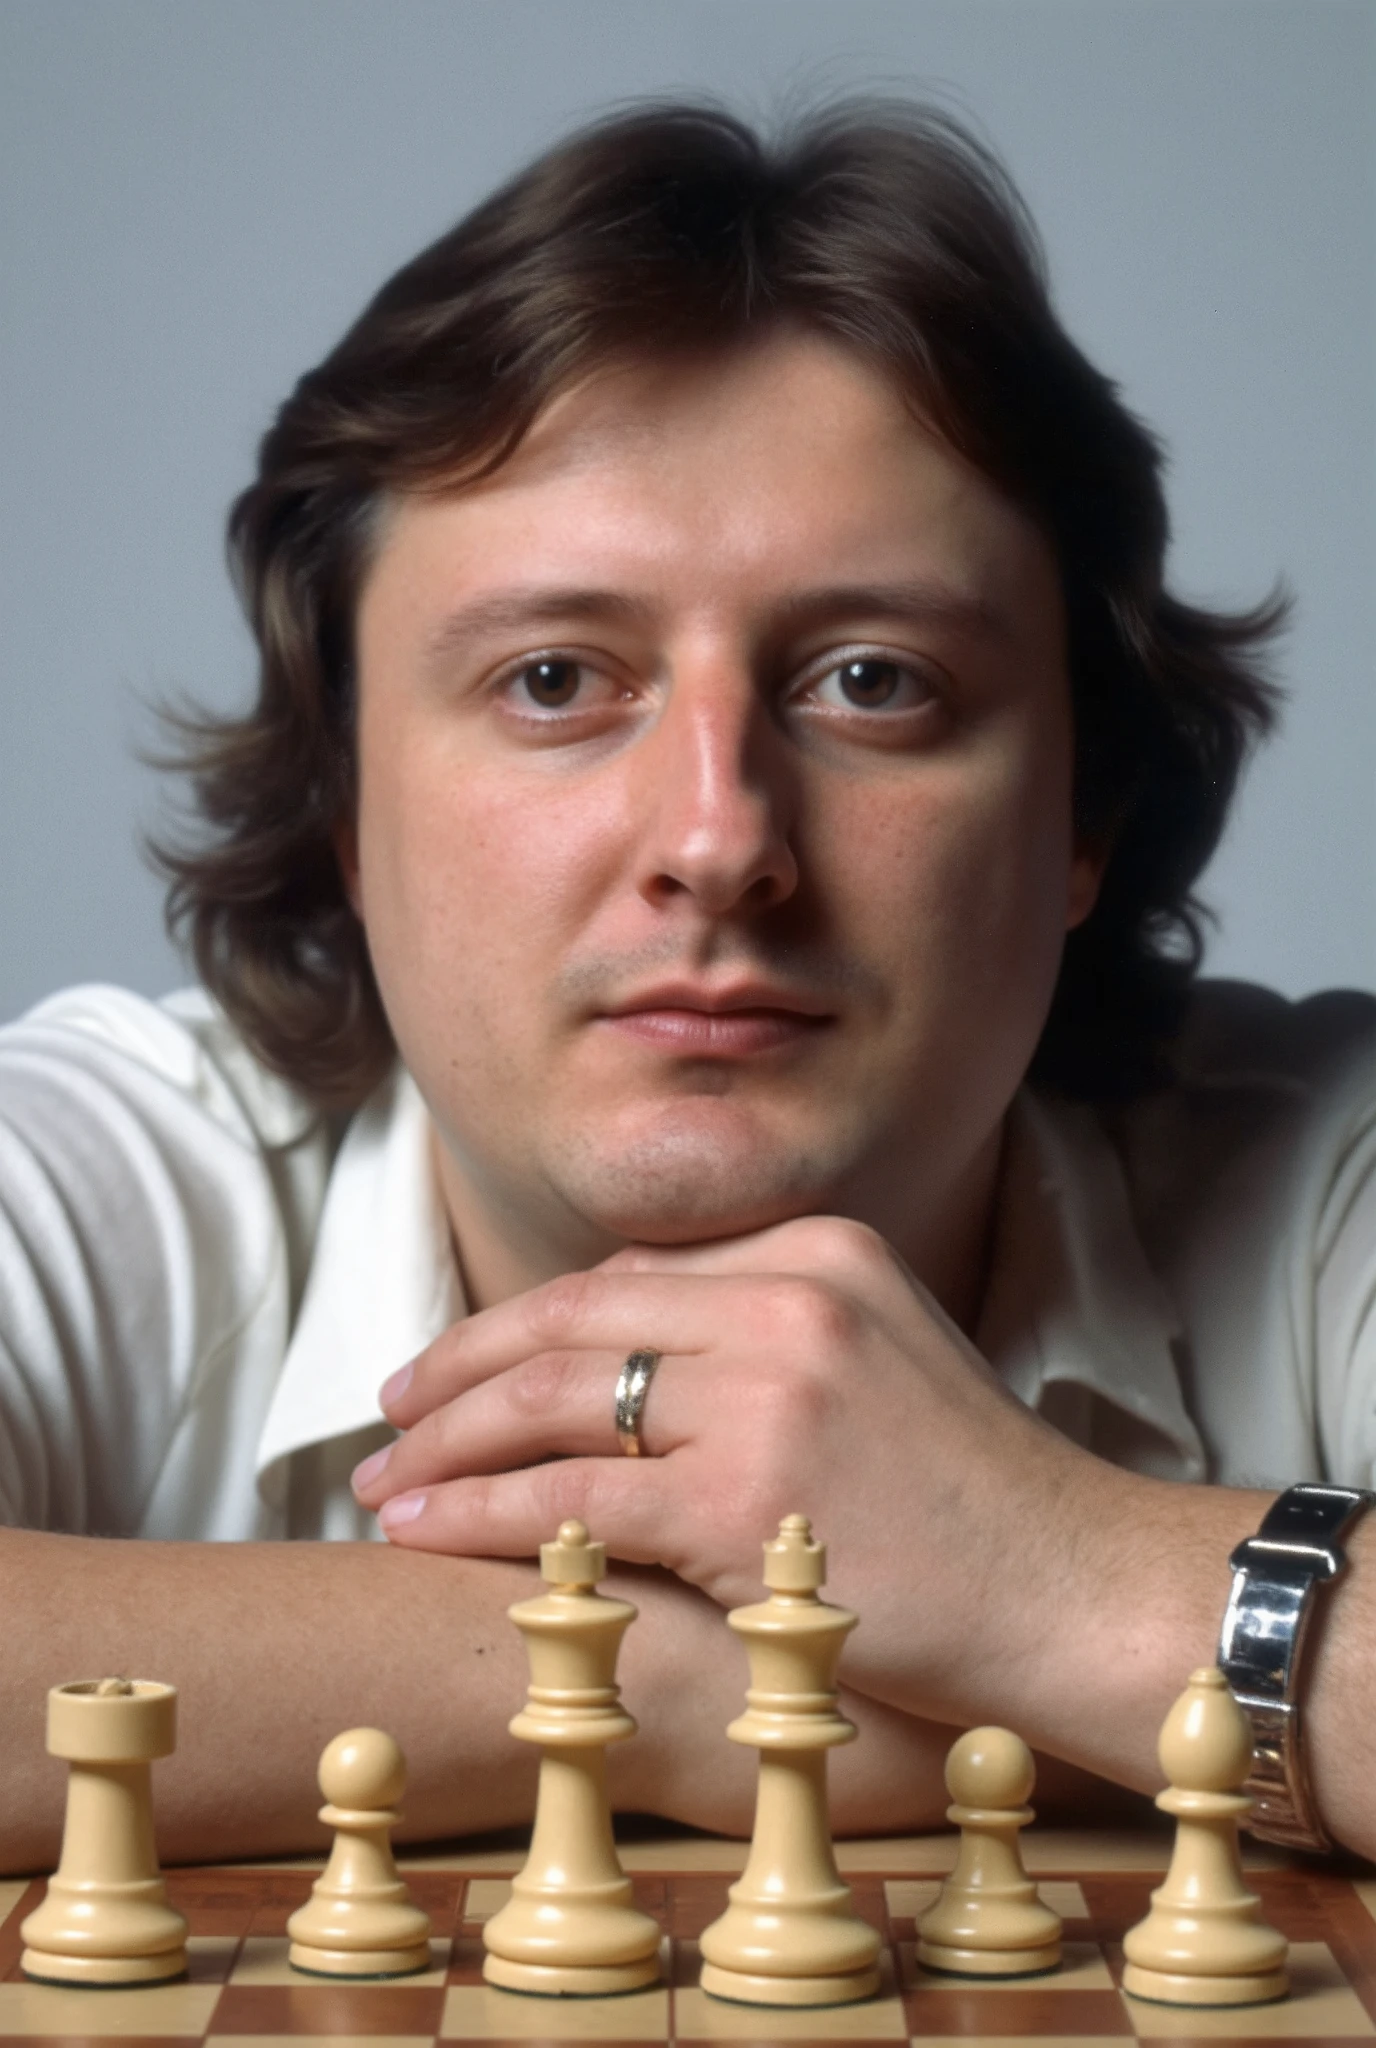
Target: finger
x,y
594,1311
558,1405
833,1251
804,1245
511,1514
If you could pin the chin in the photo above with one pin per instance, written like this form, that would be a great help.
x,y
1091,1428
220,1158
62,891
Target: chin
x,y
686,1187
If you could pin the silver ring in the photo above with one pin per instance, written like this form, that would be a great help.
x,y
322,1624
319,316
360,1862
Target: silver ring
x,y
632,1385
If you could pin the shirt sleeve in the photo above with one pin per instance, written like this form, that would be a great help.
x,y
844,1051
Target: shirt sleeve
x,y
1345,1289
141,1227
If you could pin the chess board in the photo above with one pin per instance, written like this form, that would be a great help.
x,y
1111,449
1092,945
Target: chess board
x,y
241,1990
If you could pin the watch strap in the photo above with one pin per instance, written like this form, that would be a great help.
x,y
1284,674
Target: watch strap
x,y
1277,1575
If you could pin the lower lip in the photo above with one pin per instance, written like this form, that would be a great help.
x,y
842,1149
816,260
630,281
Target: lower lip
x,y
727,1034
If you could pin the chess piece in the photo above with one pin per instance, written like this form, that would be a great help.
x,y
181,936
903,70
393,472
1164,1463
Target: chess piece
x,y
791,1935
570,1925
106,1919
987,1920
1204,1941
358,1920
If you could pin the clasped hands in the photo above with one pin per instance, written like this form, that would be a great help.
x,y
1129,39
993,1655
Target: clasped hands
x,y
803,1368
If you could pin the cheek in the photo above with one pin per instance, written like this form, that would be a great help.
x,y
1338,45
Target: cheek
x,y
468,887
962,879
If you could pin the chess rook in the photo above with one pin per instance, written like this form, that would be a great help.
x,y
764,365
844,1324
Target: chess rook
x,y
570,1926
1204,1941
791,1935
106,1919
359,1921
987,1920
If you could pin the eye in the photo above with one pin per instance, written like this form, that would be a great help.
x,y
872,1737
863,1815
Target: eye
x,y
550,683
873,682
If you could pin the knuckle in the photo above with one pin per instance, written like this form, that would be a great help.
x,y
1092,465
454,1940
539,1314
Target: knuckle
x,y
555,1309
842,1244
860,1247
808,1312
790,1404
605,1491
427,1447
576,1487
544,1385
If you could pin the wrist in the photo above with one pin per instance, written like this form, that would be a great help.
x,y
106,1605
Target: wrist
x,y
1333,1692
1144,1592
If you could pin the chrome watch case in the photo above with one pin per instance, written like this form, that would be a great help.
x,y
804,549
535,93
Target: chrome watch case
x,y
1277,1576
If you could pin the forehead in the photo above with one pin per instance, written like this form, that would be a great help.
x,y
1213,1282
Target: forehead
x,y
769,467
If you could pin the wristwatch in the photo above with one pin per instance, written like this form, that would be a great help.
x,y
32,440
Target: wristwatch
x,y
1277,1575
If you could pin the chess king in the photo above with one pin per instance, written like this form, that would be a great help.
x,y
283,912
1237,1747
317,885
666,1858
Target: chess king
x,y
700,1022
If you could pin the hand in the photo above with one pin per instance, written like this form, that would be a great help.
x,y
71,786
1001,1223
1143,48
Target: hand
x,y
803,1369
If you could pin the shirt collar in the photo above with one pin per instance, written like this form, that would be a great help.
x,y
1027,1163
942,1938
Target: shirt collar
x,y
383,1282
1071,1300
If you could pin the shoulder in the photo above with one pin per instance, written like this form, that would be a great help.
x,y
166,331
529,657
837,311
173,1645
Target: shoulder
x,y
160,1196
178,1056
1237,1034
1249,1161
1257,1079
1252,1182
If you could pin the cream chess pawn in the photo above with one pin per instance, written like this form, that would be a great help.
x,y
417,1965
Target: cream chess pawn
x,y
791,1935
1204,1941
570,1925
987,1920
358,1920
106,1919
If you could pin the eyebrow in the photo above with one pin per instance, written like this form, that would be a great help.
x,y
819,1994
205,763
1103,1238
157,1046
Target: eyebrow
x,y
920,603
515,611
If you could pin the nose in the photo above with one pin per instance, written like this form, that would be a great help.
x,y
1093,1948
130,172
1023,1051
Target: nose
x,y
719,808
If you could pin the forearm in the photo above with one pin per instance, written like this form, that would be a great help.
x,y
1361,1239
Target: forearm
x,y
684,1676
273,1649
1083,1636
1156,1616
1125,1601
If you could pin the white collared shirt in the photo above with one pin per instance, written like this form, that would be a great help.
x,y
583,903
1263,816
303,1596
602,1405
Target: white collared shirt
x,y
203,1282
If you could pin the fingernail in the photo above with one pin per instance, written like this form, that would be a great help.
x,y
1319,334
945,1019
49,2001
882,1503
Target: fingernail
x,y
394,1514
363,1474
395,1387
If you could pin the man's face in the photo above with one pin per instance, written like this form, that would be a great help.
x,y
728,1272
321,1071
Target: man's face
x,y
714,825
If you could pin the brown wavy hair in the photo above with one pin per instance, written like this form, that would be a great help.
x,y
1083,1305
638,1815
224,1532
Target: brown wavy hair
x,y
669,228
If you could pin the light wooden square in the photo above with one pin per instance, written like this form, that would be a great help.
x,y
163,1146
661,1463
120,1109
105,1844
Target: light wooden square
x,y
919,1854
485,1896
695,1857
85,2014
480,2012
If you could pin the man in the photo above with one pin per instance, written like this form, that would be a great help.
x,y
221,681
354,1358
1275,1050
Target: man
x,y
713,654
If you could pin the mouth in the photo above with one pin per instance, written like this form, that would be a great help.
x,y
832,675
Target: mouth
x,y
718,1024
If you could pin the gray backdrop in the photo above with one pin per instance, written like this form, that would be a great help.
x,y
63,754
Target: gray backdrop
x,y
196,197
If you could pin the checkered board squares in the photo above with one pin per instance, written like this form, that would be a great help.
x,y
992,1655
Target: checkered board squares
x,y
241,1990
